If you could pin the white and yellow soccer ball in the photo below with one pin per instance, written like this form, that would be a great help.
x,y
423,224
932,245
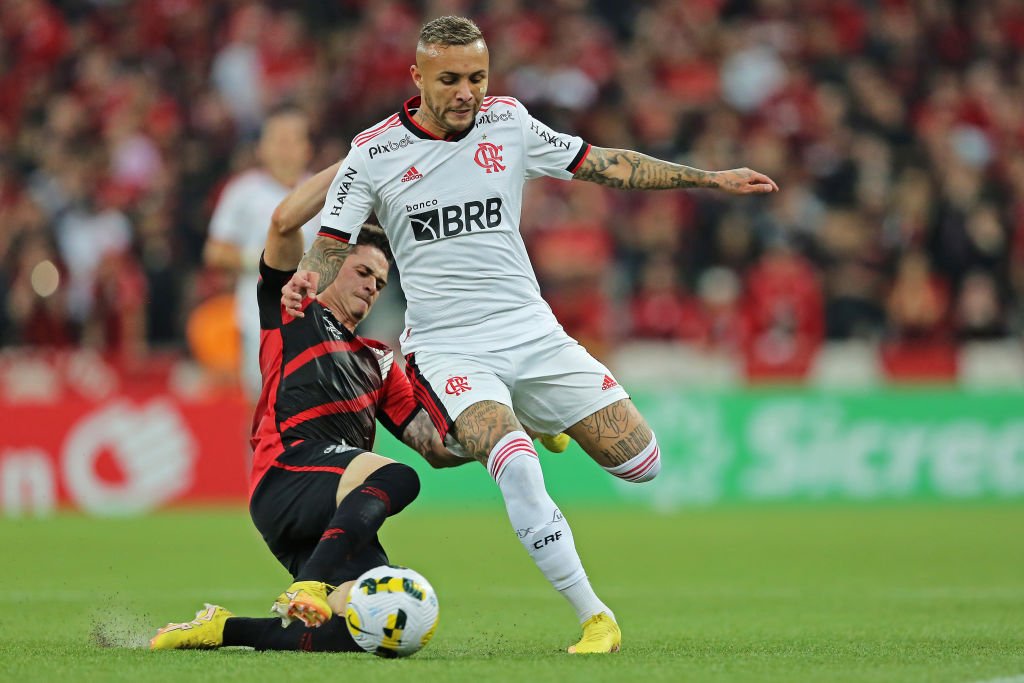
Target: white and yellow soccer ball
x,y
392,611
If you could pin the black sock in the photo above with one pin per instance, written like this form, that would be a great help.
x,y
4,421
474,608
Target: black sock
x,y
267,634
385,492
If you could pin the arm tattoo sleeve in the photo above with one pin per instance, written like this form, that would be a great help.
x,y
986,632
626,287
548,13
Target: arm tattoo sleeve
x,y
325,257
629,170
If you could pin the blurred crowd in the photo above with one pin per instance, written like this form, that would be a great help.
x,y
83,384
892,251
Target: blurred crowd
x,y
895,129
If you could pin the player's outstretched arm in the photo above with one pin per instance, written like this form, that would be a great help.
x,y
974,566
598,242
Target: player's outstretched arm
x,y
629,170
283,248
422,437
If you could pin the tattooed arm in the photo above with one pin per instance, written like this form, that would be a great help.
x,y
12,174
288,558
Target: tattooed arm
x,y
284,242
318,268
324,259
422,437
629,170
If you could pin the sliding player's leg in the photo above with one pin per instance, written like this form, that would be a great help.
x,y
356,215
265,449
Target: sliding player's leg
x,y
267,634
353,472
331,636
320,508
215,627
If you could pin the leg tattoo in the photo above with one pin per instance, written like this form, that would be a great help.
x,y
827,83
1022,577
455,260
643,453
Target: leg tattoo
x,y
612,435
482,425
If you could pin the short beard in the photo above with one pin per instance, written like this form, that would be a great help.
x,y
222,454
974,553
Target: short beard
x,y
439,118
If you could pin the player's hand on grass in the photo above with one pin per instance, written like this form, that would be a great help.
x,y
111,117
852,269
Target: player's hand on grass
x,y
303,285
744,181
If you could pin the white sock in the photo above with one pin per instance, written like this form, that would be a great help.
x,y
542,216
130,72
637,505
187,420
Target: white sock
x,y
643,466
539,524
585,601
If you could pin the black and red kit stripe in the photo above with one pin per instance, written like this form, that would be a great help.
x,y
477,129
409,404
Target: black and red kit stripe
x,y
320,381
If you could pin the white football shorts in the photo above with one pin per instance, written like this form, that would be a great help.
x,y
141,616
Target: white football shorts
x,y
551,383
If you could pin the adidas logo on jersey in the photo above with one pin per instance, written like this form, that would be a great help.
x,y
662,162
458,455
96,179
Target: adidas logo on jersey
x,y
411,175
608,383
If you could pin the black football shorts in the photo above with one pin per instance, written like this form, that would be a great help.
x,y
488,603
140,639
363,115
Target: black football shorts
x,y
295,501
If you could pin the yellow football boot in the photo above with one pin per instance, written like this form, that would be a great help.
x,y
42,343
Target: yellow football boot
x,y
556,443
305,601
205,632
600,634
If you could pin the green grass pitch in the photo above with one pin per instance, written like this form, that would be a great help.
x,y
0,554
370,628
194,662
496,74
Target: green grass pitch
x,y
900,593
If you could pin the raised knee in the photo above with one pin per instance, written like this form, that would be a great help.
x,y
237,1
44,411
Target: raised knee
x,y
405,474
401,483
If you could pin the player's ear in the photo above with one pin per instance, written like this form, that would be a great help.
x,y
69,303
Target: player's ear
x,y
417,77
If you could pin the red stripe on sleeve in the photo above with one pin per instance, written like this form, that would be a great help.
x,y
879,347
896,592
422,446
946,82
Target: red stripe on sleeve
x,y
339,235
582,159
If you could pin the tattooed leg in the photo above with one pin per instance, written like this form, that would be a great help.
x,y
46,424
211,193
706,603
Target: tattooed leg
x,y
490,432
613,435
482,425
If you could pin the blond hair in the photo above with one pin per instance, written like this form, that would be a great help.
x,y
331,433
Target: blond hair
x,y
449,30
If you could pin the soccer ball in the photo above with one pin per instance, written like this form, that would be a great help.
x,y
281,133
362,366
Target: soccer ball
x,y
392,611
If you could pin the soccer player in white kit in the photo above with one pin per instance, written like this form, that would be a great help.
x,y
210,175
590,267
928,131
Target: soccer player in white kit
x,y
485,354
238,226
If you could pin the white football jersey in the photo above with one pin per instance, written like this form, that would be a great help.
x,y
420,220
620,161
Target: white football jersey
x,y
451,208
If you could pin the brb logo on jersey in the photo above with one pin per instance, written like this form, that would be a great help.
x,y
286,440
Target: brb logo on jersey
x,y
449,221
488,157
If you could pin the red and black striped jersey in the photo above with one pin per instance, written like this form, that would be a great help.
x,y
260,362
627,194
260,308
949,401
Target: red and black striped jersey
x,y
320,381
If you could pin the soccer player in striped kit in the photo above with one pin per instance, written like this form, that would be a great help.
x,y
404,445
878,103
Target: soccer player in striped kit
x,y
484,353
318,495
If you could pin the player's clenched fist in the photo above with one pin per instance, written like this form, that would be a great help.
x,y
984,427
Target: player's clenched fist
x,y
303,285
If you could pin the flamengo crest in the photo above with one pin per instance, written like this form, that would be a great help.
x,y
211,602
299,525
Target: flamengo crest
x,y
488,157
457,385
